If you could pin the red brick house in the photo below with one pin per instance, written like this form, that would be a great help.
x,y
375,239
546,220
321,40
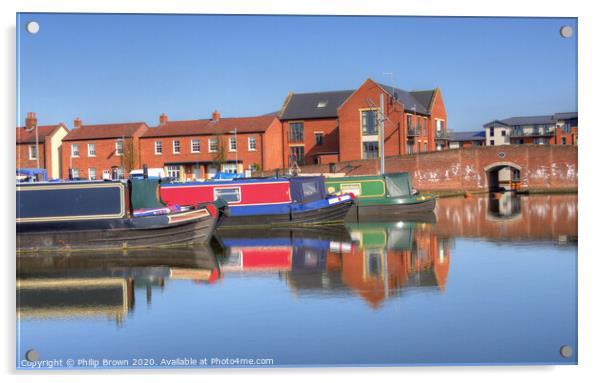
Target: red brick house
x,y
197,149
104,151
327,127
39,146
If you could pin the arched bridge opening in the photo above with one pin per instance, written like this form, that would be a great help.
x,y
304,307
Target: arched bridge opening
x,y
503,176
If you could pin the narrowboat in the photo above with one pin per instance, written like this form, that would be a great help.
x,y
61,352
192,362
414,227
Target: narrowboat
x,y
261,202
100,215
385,196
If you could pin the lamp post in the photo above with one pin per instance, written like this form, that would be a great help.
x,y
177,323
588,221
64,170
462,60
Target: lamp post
x,y
236,146
37,147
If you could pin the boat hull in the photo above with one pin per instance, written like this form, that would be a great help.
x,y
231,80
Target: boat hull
x,y
417,210
330,214
195,226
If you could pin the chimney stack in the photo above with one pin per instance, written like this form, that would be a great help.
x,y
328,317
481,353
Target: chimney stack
x,y
163,119
77,123
31,121
215,116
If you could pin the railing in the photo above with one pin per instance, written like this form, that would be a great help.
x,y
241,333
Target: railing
x,y
534,133
414,131
442,134
295,137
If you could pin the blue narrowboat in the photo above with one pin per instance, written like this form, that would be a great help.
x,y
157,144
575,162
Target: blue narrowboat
x,y
103,215
265,201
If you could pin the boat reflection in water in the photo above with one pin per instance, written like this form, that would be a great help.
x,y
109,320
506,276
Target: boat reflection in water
x,y
83,285
372,260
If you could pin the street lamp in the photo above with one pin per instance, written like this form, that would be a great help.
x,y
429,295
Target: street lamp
x,y
236,146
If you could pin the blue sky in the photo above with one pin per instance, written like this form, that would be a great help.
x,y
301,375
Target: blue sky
x,y
120,68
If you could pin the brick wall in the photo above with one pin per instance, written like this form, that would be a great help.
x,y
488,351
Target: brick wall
x,y
330,134
541,167
23,160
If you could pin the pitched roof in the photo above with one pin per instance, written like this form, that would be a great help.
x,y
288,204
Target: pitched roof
x,y
477,135
529,120
421,99
102,131
565,116
314,105
25,136
209,127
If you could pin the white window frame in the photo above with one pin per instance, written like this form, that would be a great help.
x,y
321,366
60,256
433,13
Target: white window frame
x,y
106,174
231,141
75,172
192,142
93,152
118,150
254,140
33,148
74,149
173,146
216,190
90,171
159,146
212,140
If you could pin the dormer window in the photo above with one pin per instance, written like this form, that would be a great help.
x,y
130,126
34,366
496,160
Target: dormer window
x,y
322,104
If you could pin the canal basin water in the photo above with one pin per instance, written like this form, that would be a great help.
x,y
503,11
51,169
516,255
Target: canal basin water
x,y
490,281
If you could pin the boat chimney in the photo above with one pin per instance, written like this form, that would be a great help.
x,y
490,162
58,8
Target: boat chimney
x,y
145,171
163,119
31,121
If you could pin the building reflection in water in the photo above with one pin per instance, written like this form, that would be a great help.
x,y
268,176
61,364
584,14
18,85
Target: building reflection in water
x,y
509,217
373,260
83,285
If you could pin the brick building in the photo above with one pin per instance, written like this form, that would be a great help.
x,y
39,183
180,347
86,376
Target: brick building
x,y
197,149
556,129
39,146
104,151
327,127
466,139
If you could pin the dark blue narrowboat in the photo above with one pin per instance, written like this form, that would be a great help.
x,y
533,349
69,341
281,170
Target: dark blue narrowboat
x,y
265,201
107,215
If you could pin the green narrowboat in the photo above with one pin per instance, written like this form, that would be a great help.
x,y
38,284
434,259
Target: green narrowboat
x,y
388,195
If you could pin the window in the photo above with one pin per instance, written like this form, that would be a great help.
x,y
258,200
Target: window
x,y
158,147
33,152
563,140
228,194
91,150
369,122
410,147
319,139
106,174
491,133
176,146
213,144
439,125
119,148
295,132
370,150
92,174
491,142
74,150
426,147
252,144
322,104
297,155
409,121
75,173
503,132
173,172
232,144
230,168
195,146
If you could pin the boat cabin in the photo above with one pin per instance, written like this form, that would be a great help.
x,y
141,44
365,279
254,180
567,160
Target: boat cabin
x,y
382,186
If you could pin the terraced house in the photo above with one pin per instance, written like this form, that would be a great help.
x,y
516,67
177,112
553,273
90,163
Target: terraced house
x,y
197,149
103,151
328,127
40,146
